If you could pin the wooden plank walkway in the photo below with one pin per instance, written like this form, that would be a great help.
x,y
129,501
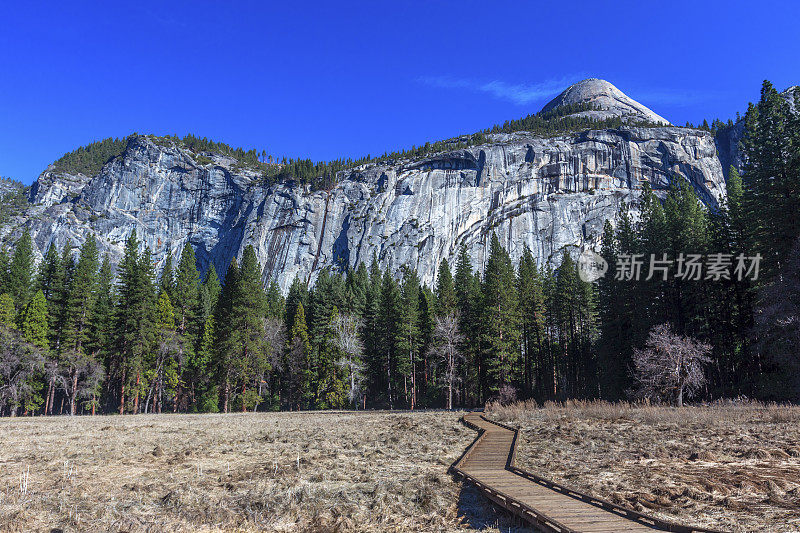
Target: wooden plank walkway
x,y
488,463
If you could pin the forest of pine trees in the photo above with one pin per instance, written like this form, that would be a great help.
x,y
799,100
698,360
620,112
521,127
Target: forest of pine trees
x,y
78,337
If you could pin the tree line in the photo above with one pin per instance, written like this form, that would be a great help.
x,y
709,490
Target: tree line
x,y
322,175
77,337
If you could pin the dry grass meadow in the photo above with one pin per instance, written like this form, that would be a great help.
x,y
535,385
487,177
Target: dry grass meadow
x,y
238,472
734,467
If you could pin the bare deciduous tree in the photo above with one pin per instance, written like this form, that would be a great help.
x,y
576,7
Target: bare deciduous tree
x,y
20,361
346,338
670,366
275,338
446,339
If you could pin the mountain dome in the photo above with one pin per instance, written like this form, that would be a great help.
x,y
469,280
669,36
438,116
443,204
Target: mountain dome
x,y
607,101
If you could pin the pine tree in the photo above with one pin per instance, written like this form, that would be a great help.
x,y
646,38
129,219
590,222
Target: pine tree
x,y
201,368
500,318
48,272
75,360
355,292
445,292
240,328
99,344
162,375
34,328
187,309
532,323
213,289
298,293
166,281
20,271
427,325
7,312
298,364
60,295
135,323
322,300
772,189
276,304
33,322
407,335
389,316
371,334
467,287
4,263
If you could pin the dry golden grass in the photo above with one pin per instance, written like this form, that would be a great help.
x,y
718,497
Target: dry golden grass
x,y
730,466
242,472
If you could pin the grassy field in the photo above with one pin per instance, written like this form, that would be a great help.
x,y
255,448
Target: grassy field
x,y
238,472
730,467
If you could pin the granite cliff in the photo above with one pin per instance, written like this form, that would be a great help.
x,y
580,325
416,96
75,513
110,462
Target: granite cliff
x,y
549,193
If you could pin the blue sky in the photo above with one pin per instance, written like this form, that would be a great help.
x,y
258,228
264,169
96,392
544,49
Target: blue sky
x,y
332,79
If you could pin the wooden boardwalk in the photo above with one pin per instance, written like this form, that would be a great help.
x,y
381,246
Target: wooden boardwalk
x,y
488,463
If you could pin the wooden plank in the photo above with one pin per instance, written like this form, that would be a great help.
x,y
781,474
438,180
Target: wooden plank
x,y
487,463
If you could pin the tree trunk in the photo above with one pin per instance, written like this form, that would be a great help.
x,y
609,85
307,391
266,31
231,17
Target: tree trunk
x,y
244,405
49,397
450,394
122,393
225,395
73,407
413,381
136,397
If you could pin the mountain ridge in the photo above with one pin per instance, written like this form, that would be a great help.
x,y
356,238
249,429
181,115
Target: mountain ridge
x,y
549,193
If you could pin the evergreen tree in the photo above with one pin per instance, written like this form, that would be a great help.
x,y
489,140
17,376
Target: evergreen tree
x,y
445,292
48,272
7,312
500,314
75,360
355,292
166,282
276,304
33,321
4,263
532,308
468,293
240,328
371,334
20,271
34,328
100,343
163,372
187,308
407,335
298,365
389,317
427,324
135,323
773,191
213,288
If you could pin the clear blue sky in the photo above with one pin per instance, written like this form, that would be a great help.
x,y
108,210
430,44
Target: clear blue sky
x,y
331,79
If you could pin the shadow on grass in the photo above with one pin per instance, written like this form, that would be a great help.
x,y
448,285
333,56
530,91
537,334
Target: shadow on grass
x,y
478,512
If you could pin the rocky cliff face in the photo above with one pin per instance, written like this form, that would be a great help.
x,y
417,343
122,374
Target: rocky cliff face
x,y
549,194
